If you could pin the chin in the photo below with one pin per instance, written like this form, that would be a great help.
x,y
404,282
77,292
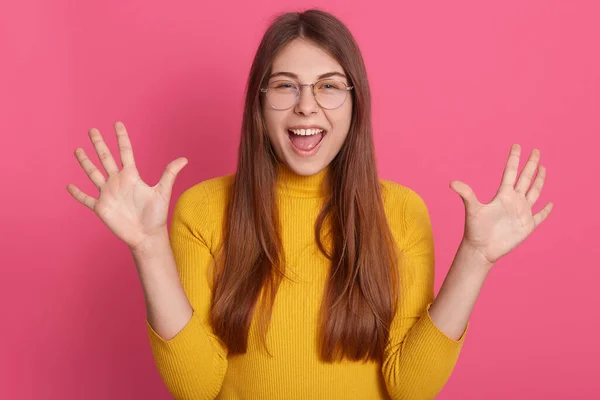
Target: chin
x,y
306,168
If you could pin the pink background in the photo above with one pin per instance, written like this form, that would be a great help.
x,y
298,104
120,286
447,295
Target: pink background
x,y
454,85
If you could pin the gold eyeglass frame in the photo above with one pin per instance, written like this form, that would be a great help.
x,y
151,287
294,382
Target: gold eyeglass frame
x,y
312,85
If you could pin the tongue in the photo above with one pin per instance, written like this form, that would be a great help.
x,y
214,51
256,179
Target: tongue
x,y
305,142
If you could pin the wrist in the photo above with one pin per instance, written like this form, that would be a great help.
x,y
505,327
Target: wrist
x,y
152,245
477,259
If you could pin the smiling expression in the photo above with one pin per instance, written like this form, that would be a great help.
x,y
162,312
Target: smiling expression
x,y
306,63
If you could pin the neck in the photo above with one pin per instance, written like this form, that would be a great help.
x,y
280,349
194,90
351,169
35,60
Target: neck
x,y
290,183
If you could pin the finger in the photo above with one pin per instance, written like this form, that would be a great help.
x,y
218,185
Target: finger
x,y
90,169
534,193
125,148
512,166
165,185
465,192
542,214
528,171
83,198
106,158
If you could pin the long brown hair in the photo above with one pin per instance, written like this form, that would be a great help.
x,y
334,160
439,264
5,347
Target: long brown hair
x,y
361,295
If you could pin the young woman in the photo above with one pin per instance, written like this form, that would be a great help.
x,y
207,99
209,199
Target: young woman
x,y
303,275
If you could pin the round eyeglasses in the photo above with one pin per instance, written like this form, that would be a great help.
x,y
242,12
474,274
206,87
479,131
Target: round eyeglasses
x,y
328,93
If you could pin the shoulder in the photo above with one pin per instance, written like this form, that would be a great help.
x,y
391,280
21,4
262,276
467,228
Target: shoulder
x,y
204,203
405,209
208,191
400,198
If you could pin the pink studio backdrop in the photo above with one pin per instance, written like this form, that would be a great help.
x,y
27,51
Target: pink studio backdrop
x,y
454,85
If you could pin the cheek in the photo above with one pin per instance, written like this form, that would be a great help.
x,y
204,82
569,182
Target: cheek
x,y
272,119
342,125
269,122
343,119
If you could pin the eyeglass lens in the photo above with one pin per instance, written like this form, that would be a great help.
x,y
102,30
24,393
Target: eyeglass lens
x,y
328,93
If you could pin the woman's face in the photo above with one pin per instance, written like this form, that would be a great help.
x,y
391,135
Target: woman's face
x,y
303,62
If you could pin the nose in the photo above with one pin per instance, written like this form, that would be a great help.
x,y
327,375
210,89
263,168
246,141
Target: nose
x,y
307,103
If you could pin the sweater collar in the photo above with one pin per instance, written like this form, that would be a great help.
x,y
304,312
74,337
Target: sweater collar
x,y
291,184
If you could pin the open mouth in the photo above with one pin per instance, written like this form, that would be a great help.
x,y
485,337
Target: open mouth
x,y
306,139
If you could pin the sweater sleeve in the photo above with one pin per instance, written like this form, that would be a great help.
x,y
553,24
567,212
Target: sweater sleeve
x,y
419,358
193,363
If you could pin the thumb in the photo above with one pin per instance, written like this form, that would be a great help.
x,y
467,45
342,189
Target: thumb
x,y
465,192
167,180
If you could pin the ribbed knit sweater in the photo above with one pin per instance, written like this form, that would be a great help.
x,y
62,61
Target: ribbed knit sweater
x,y
195,364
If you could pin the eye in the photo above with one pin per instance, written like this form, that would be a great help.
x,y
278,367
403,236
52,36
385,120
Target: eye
x,y
331,86
283,86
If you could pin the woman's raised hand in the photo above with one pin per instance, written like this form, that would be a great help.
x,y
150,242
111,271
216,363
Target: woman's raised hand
x,y
131,209
496,228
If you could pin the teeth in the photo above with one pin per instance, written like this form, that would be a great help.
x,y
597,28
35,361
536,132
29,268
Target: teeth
x,y
305,132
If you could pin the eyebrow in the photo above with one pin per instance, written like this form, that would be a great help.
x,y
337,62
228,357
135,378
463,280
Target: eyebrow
x,y
292,75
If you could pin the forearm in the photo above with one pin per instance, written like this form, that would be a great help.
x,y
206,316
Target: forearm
x,y
190,359
454,303
167,307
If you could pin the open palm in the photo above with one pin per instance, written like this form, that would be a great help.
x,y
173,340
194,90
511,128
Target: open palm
x,y
496,228
130,208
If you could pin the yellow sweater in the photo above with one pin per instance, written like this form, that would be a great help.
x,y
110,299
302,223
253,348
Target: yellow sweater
x,y
194,364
